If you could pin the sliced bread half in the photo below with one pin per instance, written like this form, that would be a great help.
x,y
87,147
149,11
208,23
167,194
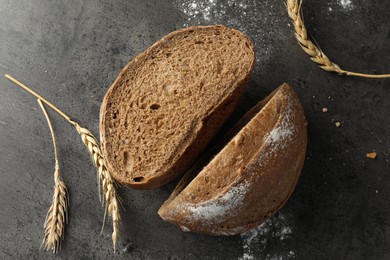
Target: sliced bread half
x,y
251,177
170,100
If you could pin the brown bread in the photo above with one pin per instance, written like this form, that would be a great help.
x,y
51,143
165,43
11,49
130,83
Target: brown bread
x,y
170,100
251,177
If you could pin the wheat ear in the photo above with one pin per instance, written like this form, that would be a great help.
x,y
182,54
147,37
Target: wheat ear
x,y
57,215
110,196
295,12
105,179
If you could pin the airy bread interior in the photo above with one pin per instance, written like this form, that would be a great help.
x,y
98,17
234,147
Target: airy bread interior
x,y
158,104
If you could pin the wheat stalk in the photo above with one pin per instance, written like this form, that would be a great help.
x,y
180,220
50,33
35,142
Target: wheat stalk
x,y
315,53
57,215
104,178
110,196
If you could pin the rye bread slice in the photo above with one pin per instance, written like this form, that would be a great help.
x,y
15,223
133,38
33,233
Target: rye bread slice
x,y
170,100
251,177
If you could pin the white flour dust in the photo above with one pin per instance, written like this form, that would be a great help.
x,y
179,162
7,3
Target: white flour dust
x,y
206,10
255,242
346,4
223,207
280,134
257,19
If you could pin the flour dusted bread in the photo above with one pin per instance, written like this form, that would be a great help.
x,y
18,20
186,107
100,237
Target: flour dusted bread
x,y
251,177
170,100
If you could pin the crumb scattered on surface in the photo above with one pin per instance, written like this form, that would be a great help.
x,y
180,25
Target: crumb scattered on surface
x,y
338,124
324,109
371,155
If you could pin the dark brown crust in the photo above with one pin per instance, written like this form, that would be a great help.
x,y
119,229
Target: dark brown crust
x,y
217,116
276,171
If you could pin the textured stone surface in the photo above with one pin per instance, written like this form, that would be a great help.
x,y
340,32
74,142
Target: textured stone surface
x,y
71,51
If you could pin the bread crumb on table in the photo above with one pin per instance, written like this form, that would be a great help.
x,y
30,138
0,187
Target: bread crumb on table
x,y
324,109
371,155
338,124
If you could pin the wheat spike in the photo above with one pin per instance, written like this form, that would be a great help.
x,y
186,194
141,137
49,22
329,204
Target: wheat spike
x,y
57,215
104,178
315,53
110,196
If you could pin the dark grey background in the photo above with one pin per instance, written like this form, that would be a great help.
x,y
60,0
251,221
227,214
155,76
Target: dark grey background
x,y
71,51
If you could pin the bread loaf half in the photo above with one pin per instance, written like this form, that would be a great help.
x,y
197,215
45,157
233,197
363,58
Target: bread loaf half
x,y
251,177
170,100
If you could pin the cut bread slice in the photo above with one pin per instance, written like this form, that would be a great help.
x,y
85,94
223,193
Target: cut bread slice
x,y
251,177
169,101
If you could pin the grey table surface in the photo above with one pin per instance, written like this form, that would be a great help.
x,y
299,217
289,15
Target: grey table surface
x,y
71,51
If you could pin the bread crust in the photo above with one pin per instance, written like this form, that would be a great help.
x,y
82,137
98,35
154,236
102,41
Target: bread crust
x,y
255,189
196,142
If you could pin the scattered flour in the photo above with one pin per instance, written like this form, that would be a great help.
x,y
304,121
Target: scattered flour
x,y
206,10
280,133
223,207
257,19
246,256
346,4
256,242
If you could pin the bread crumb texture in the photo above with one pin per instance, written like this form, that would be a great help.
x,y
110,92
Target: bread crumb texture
x,y
161,101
